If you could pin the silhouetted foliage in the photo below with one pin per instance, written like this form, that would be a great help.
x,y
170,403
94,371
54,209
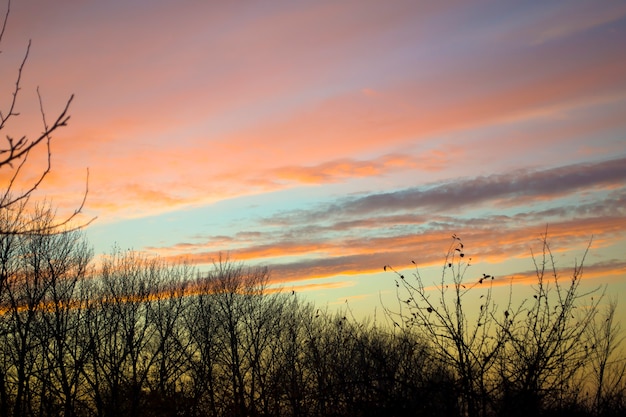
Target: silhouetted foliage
x,y
467,343
546,354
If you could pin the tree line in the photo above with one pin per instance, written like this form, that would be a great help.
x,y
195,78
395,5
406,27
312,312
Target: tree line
x,y
138,337
133,335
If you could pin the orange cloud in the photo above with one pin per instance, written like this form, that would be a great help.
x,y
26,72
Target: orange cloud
x,y
320,286
352,255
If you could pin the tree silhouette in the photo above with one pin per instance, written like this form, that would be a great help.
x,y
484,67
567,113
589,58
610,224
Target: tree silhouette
x,y
467,343
543,354
15,152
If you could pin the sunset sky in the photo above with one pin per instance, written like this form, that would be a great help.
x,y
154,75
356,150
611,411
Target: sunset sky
x,y
326,139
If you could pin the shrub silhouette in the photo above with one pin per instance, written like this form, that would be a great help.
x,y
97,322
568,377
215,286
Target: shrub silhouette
x,y
528,358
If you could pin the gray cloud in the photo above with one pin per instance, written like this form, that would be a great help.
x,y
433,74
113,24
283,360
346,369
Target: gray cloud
x,y
453,196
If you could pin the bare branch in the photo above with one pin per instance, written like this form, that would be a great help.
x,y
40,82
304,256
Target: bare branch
x,y
15,152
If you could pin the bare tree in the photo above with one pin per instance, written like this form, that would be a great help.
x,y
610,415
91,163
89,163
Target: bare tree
x,y
15,151
40,274
548,339
168,350
289,369
607,362
201,325
467,342
234,325
121,332
67,256
524,358
24,289
34,266
236,290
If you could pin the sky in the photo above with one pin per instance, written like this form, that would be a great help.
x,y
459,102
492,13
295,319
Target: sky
x,y
326,139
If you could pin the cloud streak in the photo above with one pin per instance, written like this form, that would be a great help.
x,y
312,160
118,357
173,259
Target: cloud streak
x,y
385,229
509,189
